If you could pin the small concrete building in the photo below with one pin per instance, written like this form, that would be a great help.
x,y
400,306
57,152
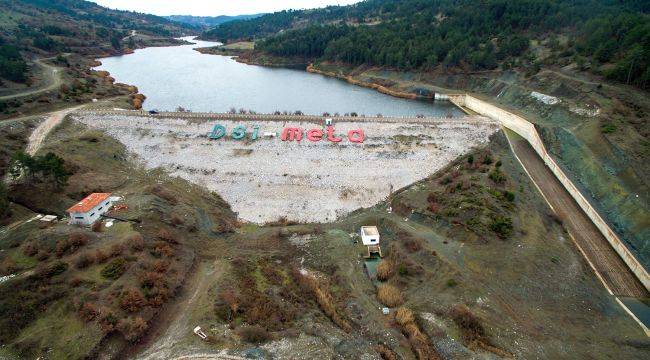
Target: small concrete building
x,y
370,238
88,210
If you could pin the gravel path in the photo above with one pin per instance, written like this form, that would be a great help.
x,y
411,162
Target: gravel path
x,y
268,178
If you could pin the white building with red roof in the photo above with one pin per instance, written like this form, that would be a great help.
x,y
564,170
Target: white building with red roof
x,y
91,208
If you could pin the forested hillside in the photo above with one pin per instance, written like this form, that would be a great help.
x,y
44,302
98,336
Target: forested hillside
x,y
46,27
209,21
605,36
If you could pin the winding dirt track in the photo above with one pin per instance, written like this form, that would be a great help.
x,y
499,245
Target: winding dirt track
x,y
51,81
604,260
38,136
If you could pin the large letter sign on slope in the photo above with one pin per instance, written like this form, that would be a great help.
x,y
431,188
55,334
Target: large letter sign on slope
x,y
356,136
315,135
288,134
330,135
218,131
239,132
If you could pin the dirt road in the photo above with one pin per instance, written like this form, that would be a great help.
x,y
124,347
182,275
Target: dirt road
x,y
51,81
41,132
178,326
607,264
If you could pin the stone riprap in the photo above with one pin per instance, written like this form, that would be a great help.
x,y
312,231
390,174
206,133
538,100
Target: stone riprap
x,y
268,178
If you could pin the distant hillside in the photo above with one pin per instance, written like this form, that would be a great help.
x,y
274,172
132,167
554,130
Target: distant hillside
x,y
209,21
611,37
47,27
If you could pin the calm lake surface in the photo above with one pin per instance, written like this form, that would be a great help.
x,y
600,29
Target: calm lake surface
x,y
179,76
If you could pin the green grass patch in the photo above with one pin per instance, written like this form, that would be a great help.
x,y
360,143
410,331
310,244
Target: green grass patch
x,y
607,128
62,332
241,45
21,260
114,269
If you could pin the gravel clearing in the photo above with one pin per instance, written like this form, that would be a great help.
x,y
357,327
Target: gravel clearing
x,y
267,179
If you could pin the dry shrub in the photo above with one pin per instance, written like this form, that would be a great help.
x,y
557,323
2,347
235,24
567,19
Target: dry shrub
x,y
434,207
78,239
135,241
84,260
413,245
116,250
272,274
30,249
160,266
176,221
272,310
472,330
389,295
404,316
70,245
165,235
164,194
254,334
227,305
385,270
155,287
386,352
132,328
321,294
101,256
75,282
162,249
42,255
419,342
97,226
88,312
107,320
8,266
281,221
132,300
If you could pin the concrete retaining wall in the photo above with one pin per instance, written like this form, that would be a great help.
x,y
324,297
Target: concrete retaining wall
x,y
527,130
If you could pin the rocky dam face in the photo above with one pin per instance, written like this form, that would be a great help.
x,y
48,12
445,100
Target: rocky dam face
x,y
307,181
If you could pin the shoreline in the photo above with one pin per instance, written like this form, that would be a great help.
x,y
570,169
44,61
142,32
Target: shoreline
x,y
246,57
380,88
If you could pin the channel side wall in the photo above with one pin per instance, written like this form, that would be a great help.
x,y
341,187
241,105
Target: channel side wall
x,y
527,130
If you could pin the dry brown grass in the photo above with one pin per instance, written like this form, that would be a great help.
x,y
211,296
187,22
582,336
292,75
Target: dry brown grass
x,y
404,316
386,353
419,342
389,295
323,298
97,226
385,270
472,330
163,193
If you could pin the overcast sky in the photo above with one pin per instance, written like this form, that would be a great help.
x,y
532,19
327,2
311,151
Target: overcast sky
x,y
216,7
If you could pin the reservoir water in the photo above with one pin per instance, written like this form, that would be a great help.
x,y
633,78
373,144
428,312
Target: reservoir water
x,y
180,76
